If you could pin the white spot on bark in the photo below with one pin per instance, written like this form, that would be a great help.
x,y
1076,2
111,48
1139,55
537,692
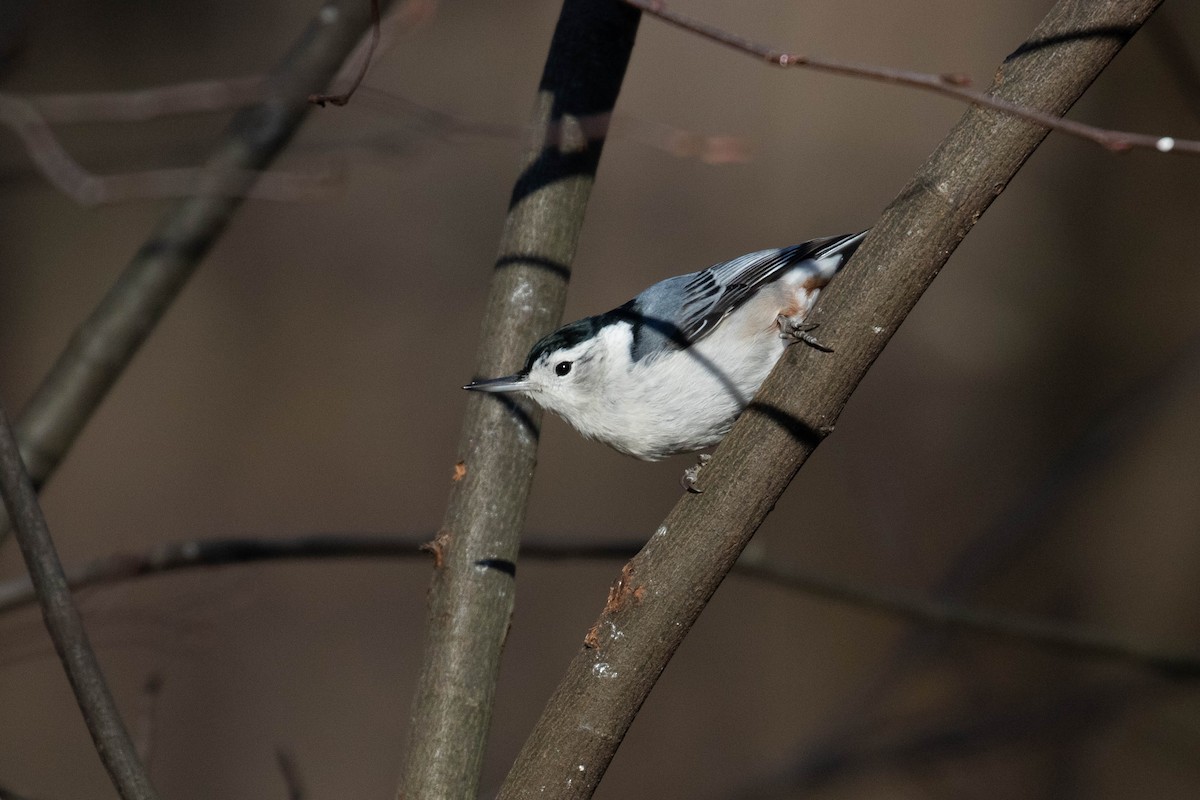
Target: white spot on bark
x,y
603,670
330,14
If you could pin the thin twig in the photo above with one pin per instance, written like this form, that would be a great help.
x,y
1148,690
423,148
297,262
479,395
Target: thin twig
x,y
948,85
112,740
373,42
1070,638
678,142
139,105
106,342
1058,713
29,117
25,117
293,781
219,552
147,721
662,591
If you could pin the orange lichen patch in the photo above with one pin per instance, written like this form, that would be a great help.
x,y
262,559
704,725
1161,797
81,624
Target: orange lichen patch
x,y
460,471
619,596
622,590
592,640
438,548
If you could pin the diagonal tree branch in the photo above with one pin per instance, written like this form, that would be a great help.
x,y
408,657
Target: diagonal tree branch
x,y
109,338
662,590
473,591
108,732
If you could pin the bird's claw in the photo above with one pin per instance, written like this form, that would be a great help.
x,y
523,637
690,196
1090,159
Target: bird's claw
x,y
795,329
692,474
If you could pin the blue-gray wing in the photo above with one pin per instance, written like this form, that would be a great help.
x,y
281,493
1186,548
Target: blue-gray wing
x,y
685,309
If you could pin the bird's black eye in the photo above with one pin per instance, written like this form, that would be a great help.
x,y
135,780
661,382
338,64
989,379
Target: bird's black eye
x,y
562,368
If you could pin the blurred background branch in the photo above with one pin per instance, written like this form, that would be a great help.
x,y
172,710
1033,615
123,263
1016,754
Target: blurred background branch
x,y
108,339
1071,639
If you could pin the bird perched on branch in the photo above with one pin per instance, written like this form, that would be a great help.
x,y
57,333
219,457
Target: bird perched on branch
x,y
670,371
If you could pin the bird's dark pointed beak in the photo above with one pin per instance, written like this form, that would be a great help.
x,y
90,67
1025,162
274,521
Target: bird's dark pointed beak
x,y
509,383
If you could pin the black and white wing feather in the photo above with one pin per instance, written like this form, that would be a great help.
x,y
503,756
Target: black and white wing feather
x,y
685,309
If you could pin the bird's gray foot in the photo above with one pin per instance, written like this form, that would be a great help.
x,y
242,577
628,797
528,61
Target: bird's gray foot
x,y
692,474
795,329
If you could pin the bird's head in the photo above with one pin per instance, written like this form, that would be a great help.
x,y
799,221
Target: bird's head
x,y
568,371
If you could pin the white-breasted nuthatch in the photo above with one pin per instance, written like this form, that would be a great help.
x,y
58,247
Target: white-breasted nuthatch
x,y
670,371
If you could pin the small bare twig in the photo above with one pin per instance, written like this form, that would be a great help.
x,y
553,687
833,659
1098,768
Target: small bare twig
x,y
681,143
1058,713
62,620
344,97
948,85
293,781
199,553
139,105
1071,638
30,118
147,715
66,174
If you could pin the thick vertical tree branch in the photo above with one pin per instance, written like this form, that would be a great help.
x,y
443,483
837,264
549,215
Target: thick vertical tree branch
x,y
109,338
112,740
664,588
476,550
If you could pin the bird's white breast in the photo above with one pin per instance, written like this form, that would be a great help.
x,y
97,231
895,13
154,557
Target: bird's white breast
x,y
685,400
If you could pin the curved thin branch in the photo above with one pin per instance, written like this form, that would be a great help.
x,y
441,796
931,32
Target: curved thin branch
x,y
948,85
662,591
109,734
201,553
1069,638
109,338
67,175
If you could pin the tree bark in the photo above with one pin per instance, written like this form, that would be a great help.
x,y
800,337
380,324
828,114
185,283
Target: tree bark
x,y
475,551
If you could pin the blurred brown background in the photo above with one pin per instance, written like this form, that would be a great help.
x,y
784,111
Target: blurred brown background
x,y
1029,440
